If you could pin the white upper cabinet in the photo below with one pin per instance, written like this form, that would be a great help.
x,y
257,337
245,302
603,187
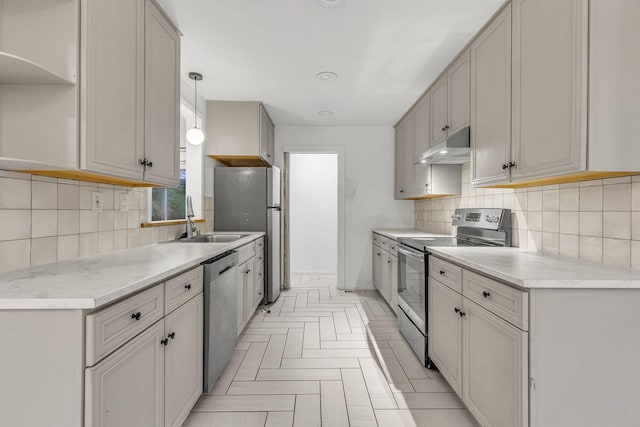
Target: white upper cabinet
x,y
239,133
421,143
404,157
439,110
450,100
162,98
458,91
614,86
491,101
113,90
549,87
104,101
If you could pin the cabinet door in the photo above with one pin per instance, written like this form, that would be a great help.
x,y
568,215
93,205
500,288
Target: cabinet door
x,y
549,87
393,280
491,101
112,93
404,152
162,98
445,332
266,136
385,271
242,277
421,144
249,290
377,266
495,369
183,361
458,84
127,388
439,110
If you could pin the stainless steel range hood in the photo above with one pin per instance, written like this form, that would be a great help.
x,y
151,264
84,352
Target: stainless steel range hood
x,y
454,150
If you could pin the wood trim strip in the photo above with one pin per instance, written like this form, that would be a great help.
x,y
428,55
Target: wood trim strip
x,y
170,222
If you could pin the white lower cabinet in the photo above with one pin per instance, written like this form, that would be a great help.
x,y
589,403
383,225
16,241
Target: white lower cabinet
x,y
183,361
494,368
385,269
445,332
480,354
250,281
126,389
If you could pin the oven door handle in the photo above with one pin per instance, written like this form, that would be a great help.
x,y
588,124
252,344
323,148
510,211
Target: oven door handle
x,y
415,255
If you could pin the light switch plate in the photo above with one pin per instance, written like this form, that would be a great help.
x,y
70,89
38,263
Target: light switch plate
x,y
96,201
124,202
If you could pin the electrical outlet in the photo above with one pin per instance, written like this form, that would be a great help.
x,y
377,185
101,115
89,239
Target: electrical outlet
x,y
96,201
124,202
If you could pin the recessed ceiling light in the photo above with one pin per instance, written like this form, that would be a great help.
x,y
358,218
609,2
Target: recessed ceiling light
x,y
326,76
325,113
331,3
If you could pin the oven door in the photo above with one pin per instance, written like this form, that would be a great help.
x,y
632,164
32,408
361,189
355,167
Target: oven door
x,y
412,286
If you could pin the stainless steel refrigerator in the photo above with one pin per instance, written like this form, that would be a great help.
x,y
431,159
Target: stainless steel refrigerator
x,y
248,199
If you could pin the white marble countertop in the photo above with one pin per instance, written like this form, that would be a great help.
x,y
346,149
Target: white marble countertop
x,y
89,283
533,270
396,233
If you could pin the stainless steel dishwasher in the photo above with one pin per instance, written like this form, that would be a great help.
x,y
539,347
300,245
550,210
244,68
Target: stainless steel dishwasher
x,y
220,314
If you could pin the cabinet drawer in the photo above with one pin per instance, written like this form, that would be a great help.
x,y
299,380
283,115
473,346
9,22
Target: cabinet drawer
x,y
113,326
260,245
447,273
182,288
393,247
246,252
509,303
385,243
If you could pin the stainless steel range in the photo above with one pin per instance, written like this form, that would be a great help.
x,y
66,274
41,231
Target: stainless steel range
x,y
476,227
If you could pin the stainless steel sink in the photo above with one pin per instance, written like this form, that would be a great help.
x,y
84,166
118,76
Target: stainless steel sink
x,y
213,238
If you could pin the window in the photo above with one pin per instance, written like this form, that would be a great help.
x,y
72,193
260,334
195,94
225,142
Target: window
x,y
169,203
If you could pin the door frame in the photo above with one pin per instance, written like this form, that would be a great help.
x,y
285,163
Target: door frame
x,y
321,149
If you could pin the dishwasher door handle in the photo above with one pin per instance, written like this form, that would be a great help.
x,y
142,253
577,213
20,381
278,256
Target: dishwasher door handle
x,y
224,270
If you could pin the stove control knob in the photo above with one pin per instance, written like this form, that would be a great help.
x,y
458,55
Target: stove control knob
x,y
493,218
456,217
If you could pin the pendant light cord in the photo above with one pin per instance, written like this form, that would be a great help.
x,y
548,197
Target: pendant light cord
x,y
195,113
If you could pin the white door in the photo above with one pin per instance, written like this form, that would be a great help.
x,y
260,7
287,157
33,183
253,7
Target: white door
x,y
495,369
183,361
127,388
549,87
162,99
445,332
112,140
491,100
400,191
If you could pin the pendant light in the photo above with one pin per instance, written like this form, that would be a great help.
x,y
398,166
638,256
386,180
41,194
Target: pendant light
x,y
195,135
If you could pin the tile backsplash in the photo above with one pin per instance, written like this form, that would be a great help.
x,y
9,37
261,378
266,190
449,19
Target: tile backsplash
x,y
596,221
44,220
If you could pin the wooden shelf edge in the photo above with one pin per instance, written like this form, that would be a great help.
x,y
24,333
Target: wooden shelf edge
x,y
562,179
241,161
170,222
79,175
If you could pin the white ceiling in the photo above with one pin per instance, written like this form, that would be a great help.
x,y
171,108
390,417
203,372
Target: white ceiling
x,y
385,52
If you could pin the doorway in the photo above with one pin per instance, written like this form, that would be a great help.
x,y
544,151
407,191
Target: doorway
x,y
312,219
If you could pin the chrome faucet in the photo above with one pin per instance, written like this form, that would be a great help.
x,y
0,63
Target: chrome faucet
x,y
192,229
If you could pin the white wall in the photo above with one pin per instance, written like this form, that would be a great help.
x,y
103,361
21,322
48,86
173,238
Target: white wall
x,y
313,223
369,165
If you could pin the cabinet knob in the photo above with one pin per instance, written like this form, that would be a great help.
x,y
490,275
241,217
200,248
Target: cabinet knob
x,y
164,341
462,313
378,253
486,294
187,286
248,271
512,165
442,272
505,166
402,191
172,335
136,316
149,164
446,127
142,162
456,310
388,262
